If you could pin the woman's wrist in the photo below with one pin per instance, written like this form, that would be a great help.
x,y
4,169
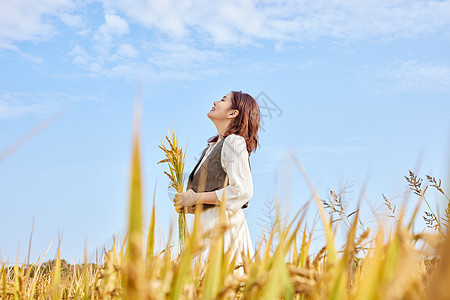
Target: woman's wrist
x,y
207,198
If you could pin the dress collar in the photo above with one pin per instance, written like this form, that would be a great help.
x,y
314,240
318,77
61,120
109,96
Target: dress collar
x,y
213,143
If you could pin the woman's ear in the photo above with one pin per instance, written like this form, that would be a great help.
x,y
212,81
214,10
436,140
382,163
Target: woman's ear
x,y
235,113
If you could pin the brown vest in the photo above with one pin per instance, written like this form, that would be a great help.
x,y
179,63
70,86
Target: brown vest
x,y
211,176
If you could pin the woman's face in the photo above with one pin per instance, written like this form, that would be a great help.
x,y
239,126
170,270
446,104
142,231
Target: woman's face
x,y
221,109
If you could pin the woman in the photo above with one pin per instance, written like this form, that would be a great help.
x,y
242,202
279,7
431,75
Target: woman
x,y
224,171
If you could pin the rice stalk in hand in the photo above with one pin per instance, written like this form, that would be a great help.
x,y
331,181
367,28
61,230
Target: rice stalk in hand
x,y
175,159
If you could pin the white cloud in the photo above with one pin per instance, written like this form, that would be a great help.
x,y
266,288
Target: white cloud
x,y
14,105
158,60
108,35
127,50
113,26
279,47
188,37
234,22
31,58
176,54
267,67
6,45
238,22
27,20
412,75
107,46
80,56
71,20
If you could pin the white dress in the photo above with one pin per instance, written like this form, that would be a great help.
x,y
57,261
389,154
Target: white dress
x,y
234,159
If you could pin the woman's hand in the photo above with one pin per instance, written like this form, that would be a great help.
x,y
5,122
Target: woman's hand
x,y
185,201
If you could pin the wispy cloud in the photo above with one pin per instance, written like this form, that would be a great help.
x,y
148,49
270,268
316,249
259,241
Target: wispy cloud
x,y
14,105
160,59
231,22
412,75
112,29
187,38
28,20
235,22
406,76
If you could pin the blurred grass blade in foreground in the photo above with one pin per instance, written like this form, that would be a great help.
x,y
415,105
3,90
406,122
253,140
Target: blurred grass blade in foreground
x,y
134,250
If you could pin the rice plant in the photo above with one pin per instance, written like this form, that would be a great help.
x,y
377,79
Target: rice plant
x,y
402,264
175,159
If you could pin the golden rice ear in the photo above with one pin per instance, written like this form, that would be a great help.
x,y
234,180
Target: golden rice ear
x,y
163,161
175,160
403,264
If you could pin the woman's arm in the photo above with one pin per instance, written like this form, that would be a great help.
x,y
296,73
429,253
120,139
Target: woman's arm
x,y
234,159
236,164
204,198
207,198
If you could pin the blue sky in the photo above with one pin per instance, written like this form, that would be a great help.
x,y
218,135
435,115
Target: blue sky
x,y
360,91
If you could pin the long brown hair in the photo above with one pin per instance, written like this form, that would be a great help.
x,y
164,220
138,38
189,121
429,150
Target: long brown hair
x,y
247,122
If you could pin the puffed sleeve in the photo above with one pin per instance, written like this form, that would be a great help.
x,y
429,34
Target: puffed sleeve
x,y
234,159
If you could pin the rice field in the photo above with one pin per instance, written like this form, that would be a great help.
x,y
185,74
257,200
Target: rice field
x,y
371,265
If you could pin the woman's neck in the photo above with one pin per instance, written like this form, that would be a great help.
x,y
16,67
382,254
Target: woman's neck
x,y
221,128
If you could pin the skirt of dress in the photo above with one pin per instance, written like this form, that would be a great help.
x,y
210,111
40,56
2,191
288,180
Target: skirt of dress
x,y
237,236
